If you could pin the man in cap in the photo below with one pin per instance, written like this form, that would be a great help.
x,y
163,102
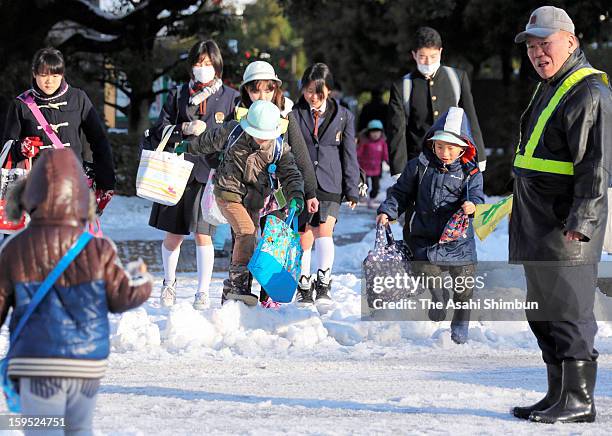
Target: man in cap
x,y
560,209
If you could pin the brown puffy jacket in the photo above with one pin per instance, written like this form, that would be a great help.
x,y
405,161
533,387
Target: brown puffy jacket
x,y
56,196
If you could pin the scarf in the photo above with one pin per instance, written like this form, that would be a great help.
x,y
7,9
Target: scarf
x,y
199,92
40,95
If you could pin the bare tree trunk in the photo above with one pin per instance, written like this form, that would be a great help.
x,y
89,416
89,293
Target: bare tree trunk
x,y
139,114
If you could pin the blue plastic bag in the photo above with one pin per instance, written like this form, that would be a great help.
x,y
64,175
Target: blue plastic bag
x,y
277,260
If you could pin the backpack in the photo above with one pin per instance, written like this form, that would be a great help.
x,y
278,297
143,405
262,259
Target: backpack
x,y
453,76
237,132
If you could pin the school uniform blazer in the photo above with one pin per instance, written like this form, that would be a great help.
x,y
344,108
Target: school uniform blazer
x,y
219,108
333,152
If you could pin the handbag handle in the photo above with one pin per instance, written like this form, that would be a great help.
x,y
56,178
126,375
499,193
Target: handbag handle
x,y
384,236
6,150
292,219
29,101
166,134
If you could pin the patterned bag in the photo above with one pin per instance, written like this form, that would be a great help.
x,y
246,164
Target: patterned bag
x,y
277,260
456,227
9,176
388,259
162,176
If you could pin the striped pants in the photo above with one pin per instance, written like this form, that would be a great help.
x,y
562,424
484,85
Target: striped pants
x,y
71,398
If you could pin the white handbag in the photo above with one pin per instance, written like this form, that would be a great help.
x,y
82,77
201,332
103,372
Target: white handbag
x,y
210,209
162,176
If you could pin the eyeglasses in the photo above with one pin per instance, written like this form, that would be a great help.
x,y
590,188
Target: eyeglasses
x,y
544,45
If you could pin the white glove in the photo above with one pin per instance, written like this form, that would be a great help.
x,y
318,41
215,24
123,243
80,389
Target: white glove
x,y
363,189
137,273
196,127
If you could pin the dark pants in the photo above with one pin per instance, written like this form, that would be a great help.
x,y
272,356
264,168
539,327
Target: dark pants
x,y
375,186
564,325
440,293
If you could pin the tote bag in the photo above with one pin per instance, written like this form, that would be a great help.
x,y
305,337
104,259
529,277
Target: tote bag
x,y
162,176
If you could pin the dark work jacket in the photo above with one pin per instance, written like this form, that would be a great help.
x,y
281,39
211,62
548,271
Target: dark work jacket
x,y
333,153
219,109
73,107
545,206
429,100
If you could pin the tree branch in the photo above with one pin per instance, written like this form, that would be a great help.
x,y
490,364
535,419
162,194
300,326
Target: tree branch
x,y
116,106
116,85
170,67
79,42
161,91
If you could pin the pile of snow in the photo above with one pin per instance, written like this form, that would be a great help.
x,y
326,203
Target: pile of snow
x,y
235,329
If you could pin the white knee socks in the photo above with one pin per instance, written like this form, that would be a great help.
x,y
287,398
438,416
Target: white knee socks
x,y
170,261
325,252
205,258
306,256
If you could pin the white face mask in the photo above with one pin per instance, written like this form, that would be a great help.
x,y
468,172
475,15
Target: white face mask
x,y
428,70
204,74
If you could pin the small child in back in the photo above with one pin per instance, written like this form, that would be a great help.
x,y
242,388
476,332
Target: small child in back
x,y
61,354
371,152
444,185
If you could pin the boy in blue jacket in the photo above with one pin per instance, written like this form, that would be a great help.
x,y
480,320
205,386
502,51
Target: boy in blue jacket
x,y
443,180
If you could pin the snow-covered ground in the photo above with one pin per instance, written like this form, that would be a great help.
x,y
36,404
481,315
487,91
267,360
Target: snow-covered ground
x,y
239,370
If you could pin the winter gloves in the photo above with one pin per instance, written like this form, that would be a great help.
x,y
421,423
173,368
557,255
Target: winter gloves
x,y
30,146
297,203
195,128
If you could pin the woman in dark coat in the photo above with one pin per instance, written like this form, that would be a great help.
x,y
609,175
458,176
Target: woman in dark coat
x,y
69,112
203,104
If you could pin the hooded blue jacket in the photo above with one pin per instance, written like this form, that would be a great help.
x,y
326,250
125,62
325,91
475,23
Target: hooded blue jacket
x,y
438,191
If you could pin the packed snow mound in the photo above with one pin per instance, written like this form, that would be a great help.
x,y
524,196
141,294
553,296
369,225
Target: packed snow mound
x,y
135,332
242,330
257,332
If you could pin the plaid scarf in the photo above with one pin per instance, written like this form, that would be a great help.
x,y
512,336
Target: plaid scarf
x,y
199,92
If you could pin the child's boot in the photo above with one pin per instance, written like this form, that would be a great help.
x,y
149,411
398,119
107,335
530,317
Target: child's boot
x,y
460,326
304,291
323,289
239,286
